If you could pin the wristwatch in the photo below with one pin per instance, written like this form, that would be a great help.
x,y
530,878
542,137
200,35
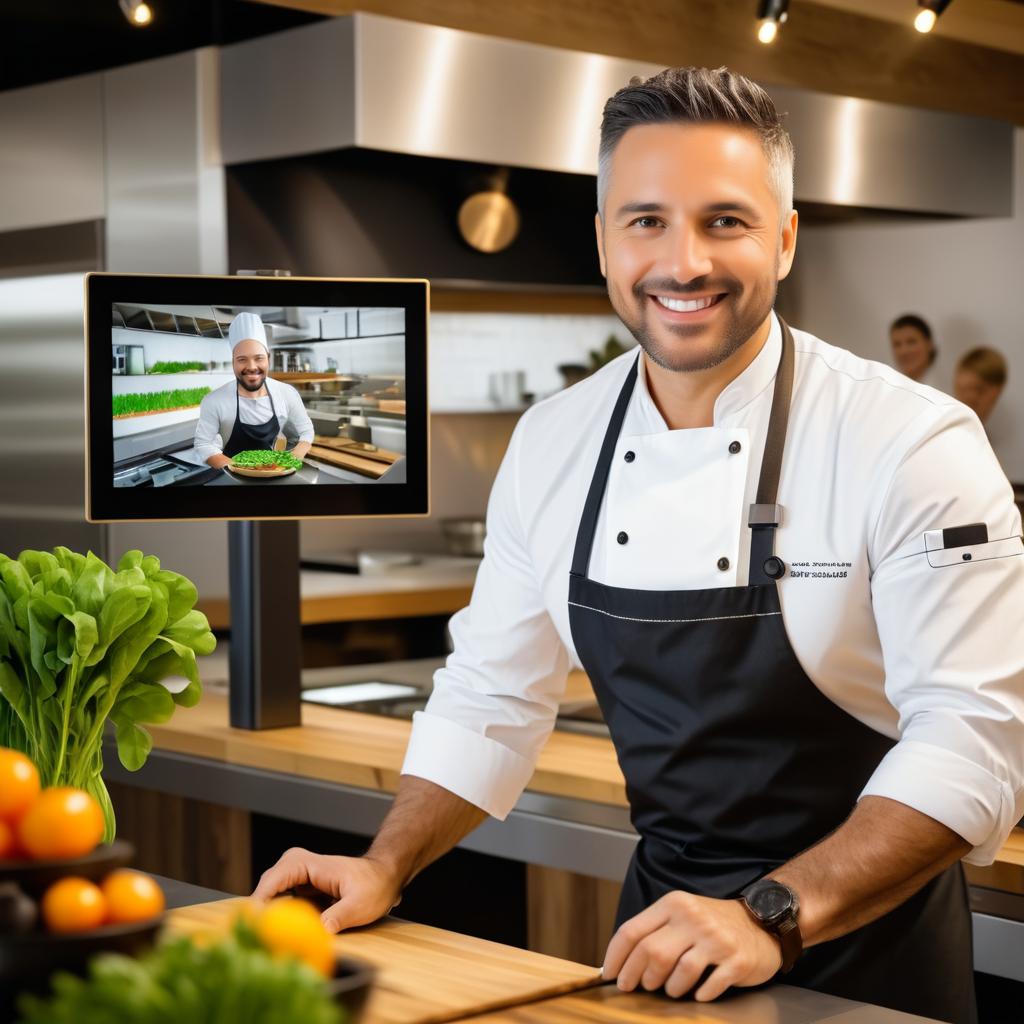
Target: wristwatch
x,y
774,907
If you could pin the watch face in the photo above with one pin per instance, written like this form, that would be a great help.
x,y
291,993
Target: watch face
x,y
770,902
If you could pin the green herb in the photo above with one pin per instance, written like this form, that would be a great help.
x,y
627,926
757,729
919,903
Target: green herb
x,y
254,459
154,401
81,644
229,982
167,366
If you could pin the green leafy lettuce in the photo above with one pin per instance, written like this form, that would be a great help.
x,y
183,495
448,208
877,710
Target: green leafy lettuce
x,y
231,981
82,644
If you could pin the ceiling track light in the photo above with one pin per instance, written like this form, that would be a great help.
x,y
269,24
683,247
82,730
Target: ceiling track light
x,y
138,12
929,13
771,14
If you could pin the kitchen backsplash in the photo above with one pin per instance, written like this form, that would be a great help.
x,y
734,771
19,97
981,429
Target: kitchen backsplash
x,y
470,351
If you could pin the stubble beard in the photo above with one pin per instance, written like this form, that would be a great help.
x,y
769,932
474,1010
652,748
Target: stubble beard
x,y
252,387
741,321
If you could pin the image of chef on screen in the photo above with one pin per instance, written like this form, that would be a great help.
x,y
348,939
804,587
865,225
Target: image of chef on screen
x,y
252,411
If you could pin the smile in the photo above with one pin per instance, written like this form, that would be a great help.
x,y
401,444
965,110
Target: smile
x,y
687,305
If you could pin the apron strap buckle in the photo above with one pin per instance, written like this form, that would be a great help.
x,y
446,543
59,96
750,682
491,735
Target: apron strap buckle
x,y
765,515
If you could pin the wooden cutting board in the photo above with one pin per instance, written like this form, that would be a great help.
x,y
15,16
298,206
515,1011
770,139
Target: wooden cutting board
x,y
344,444
426,975
392,405
344,460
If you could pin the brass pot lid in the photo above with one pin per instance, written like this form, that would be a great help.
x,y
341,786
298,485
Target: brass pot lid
x,y
489,221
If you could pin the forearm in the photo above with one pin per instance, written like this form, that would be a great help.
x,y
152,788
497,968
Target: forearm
x,y
301,449
879,857
425,821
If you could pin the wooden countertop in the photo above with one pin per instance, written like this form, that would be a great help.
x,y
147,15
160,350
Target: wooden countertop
x,y
440,587
368,750
425,975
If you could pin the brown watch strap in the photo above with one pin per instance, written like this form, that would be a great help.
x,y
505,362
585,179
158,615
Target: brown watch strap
x,y
791,941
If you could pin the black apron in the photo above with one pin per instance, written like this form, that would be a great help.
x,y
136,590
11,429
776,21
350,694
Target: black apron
x,y
246,437
735,761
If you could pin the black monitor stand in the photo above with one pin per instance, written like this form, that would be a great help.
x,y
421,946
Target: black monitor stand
x,y
265,663
266,624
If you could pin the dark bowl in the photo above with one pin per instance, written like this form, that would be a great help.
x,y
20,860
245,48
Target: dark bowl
x,y
350,986
28,960
36,876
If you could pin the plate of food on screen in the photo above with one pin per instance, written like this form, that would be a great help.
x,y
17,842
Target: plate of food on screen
x,y
264,464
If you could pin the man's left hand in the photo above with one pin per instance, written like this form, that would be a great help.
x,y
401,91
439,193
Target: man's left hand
x,y
675,940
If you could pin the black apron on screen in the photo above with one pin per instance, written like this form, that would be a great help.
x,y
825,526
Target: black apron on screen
x,y
247,437
735,761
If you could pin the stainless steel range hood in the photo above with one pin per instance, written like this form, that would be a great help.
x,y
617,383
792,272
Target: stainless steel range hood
x,y
381,84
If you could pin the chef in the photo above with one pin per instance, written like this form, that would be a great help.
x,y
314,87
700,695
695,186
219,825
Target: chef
x,y
253,410
795,579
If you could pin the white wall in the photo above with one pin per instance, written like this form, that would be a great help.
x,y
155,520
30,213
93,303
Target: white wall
x,y
467,348
162,346
965,277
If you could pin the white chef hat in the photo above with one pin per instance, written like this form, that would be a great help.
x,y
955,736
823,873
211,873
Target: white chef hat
x,y
247,326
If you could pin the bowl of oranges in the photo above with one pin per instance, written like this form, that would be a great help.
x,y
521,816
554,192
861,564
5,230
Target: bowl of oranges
x,y
63,895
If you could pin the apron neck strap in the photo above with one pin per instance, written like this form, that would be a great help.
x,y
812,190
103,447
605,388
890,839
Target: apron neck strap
x,y
765,514
778,421
592,508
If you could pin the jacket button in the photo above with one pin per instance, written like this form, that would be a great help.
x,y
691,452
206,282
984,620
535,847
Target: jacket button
x,y
735,448
629,456
774,567
723,564
622,537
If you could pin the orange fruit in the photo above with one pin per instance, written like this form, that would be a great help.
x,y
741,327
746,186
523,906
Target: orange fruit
x,y
73,905
8,844
62,823
131,896
19,784
292,927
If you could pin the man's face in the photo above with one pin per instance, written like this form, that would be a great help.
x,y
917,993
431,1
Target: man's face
x,y
976,393
250,364
911,350
691,222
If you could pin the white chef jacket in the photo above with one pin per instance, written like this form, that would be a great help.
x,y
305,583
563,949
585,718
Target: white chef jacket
x,y
217,415
923,646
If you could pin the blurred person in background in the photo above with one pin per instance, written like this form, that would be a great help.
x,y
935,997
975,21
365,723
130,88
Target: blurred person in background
x,y
979,380
913,348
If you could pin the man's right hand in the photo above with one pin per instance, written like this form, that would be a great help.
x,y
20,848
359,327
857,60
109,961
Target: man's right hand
x,y
218,461
364,888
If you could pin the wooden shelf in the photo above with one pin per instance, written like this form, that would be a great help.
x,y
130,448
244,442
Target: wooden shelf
x,y
343,597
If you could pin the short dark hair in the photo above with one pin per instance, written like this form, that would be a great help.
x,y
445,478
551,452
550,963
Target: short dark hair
x,y
919,324
698,96
912,320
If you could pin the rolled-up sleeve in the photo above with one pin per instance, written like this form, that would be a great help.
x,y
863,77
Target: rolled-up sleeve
x,y
495,701
208,440
952,635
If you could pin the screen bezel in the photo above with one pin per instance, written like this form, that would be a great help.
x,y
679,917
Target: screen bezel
x,y
106,504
